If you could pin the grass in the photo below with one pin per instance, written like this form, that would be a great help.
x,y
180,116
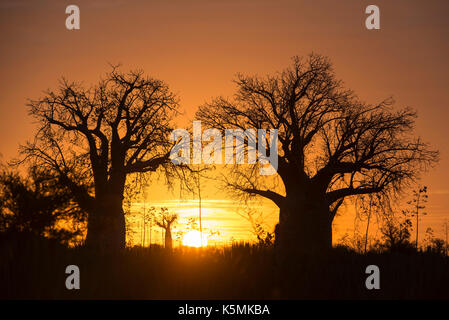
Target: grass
x,y
35,269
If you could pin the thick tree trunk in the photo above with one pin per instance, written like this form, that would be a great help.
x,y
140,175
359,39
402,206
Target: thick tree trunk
x,y
302,243
304,227
106,223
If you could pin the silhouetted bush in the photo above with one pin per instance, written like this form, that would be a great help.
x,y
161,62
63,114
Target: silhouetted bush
x,y
38,205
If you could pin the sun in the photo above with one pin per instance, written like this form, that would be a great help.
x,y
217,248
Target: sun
x,y
193,239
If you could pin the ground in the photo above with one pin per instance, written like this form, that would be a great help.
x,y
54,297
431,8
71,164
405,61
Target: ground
x,y
36,270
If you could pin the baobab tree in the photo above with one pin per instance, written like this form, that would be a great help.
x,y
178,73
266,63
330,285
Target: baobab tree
x,y
165,220
331,146
94,138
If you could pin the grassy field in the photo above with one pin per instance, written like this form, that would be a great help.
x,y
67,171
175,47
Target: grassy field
x,y
35,269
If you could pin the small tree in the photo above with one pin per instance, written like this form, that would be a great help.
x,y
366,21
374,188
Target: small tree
x,y
396,233
369,205
418,204
259,229
446,229
165,220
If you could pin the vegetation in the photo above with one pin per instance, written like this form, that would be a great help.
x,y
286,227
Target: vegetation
x,y
39,205
34,269
95,147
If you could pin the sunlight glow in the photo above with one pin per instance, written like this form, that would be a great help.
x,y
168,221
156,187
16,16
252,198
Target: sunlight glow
x,y
193,239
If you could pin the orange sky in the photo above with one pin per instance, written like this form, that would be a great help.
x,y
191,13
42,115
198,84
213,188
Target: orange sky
x,y
197,46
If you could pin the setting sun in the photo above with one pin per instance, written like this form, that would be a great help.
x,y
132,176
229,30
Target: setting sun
x,y
193,239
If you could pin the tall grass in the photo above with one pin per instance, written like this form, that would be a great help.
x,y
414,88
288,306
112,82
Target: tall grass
x,y
35,269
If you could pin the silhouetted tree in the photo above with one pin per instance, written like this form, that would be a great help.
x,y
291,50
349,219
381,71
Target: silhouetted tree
x,y
446,229
418,204
331,146
165,220
396,233
256,219
39,205
93,139
370,206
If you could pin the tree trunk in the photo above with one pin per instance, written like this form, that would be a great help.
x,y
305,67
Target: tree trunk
x,y
304,227
106,223
168,239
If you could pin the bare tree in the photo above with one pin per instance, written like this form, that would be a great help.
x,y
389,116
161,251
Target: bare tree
x,y
446,228
94,139
396,232
258,226
331,146
165,220
370,206
418,204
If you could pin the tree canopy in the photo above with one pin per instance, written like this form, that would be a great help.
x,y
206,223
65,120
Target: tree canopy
x,y
327,136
